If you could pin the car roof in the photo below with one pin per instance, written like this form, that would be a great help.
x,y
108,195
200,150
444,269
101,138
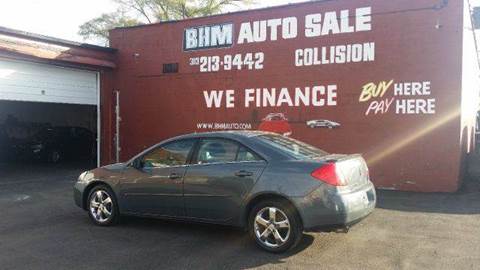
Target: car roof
x,y
236,134
239,135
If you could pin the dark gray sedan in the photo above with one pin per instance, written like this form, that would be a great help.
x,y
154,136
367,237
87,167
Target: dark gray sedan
x,y
275,187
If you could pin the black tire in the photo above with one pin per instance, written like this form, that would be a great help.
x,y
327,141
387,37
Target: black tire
x,y
54,156
296,227
113,208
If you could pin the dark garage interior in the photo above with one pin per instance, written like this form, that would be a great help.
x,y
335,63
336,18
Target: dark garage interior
x,y
48,133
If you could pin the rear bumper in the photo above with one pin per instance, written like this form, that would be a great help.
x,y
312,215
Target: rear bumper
x,y
329,207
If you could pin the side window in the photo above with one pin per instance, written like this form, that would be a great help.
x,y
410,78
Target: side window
x,y
244,155
217,151
172,154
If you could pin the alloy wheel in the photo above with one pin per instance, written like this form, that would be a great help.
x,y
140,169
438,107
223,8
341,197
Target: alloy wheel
x,y
272,227
101,206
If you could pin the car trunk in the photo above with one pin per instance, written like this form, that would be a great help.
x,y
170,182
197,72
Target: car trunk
x,y
352,169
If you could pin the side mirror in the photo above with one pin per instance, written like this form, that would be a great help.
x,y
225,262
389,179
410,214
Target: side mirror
x,y
138,164
145,167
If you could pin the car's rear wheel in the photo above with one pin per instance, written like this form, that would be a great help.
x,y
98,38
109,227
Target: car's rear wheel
x,y
275,226
102,206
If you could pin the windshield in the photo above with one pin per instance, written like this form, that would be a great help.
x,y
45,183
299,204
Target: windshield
x,y
295,148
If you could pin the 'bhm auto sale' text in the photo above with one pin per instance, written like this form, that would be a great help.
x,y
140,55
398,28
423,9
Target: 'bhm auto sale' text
x,y
316,25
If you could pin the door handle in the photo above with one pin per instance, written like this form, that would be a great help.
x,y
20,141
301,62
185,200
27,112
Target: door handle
x,y
243,174
174,176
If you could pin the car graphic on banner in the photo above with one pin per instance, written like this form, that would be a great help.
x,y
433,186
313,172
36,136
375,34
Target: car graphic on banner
x,y
323,124
277,123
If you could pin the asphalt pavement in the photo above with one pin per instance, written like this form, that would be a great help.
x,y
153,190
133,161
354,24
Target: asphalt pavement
x,y
41,228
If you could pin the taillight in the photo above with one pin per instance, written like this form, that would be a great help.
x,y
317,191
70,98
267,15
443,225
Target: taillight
x,y
328,174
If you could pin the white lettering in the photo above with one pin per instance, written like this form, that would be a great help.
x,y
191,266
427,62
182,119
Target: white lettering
x,y
284,97
249,97
191,40
230,96
330,24
312,25
415,106
289,28
246,34
345,26
222,35
338,22
413,89
340,54
214,98
208,36
317,96
363,19
260,31
273,25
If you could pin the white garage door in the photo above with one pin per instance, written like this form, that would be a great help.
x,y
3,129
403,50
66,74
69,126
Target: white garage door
x,y
26,81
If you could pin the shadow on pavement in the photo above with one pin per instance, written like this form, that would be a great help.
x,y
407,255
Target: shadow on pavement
x,y
464,202
38,171
209,246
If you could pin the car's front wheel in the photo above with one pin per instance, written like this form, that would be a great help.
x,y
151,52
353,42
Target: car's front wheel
x,y
102,206
54,156
275,226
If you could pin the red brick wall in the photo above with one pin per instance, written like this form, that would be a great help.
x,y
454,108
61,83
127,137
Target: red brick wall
x,y
415,41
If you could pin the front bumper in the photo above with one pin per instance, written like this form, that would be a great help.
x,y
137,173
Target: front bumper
x,y
78,190
329,207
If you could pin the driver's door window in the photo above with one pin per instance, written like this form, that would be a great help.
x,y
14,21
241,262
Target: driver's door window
x,y
169,155
217,151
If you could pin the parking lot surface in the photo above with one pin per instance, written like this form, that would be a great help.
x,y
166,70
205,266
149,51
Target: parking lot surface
x,y
41,228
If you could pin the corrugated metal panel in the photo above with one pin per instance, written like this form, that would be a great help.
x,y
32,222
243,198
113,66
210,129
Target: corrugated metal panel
x,y
25,81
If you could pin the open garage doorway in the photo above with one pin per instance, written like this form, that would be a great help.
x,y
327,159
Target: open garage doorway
x,y
48,133
48,115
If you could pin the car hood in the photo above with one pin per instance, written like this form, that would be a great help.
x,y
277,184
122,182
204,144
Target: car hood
x,y
114,167
106,173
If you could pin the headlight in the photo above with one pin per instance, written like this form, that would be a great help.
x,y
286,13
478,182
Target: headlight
x,y
84,176
37,147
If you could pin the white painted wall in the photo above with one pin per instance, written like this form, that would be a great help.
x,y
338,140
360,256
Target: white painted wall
x,y
470,82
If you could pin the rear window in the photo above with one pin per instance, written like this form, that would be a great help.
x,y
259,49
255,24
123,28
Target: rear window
x,y
295,148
